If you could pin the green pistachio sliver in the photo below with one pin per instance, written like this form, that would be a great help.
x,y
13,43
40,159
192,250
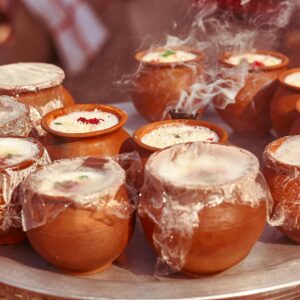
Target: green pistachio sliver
x,y
9,155
83,177
168,53
177,136
57,123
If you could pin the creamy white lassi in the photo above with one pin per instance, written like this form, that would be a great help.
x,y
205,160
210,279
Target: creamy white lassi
x,y
293,79
168,135
84,121
289,151
255,59
168,56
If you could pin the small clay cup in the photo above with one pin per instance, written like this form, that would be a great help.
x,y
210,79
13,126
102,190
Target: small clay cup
x,y
79,239
283,106
108,142
145,150
40,93
159,85
283,180
296,125
250,112
15,234
224,233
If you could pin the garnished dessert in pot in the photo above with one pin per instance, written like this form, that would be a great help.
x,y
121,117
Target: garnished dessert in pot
x,y
14,117
203,206
282,169
246,107
19,157
86,130
168,56
77,213
162,134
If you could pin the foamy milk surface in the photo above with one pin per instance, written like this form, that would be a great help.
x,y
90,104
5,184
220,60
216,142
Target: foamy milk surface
x,y
168,56
266,60
289,151
203,165
168,135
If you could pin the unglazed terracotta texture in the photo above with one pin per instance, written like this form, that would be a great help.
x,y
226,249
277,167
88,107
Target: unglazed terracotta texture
x,y
14,233
157,85
296,125
250,112
223,233
283,180
145,150
283,106
108,142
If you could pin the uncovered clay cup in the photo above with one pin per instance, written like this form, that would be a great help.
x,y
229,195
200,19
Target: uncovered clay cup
x,y
19,156
282,169
248,112
86,130
77,213
203,206
283,107
161,79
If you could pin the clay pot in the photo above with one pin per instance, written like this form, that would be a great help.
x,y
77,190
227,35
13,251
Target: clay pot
x,y
145,150
159,85
45,92
15,174
108,142
212,237
79,238
283,180
250,112
283,112
296,125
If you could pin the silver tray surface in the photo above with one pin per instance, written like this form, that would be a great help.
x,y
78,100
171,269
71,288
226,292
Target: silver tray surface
x,y
272,270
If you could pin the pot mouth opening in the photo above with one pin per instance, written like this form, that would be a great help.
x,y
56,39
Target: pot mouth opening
x,y
291,78
89,120
285,152
202,165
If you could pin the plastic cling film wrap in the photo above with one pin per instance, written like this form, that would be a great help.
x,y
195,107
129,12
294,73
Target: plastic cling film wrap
x,y
107,185
183,180
11,175
14,117
282,171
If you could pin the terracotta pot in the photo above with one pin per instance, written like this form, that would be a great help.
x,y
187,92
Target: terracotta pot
x,y
283,112
79,237
45,91
159,85
108,142
296,125
15,117
283,180
145,150
250,112
183,221
10,215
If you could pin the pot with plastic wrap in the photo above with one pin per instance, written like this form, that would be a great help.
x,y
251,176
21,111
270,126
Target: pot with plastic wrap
x,y
203,206
19,156
282,172
78,213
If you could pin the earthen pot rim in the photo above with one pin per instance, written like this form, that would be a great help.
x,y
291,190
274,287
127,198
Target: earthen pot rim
x,y
28,162
139,55
140,132
252,172
282,76
271,161
121,114
284,58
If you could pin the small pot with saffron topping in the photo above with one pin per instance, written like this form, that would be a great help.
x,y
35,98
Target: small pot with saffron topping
x,y
162,76
86,130
254,76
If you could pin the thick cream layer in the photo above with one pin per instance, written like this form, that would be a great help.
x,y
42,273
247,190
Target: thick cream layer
x,y
84,121
14,151
202,164
168,135
168,56
293,79
289,151
252,58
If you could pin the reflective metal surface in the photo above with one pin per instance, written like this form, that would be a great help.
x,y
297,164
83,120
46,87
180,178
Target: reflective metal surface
x,y
272,269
